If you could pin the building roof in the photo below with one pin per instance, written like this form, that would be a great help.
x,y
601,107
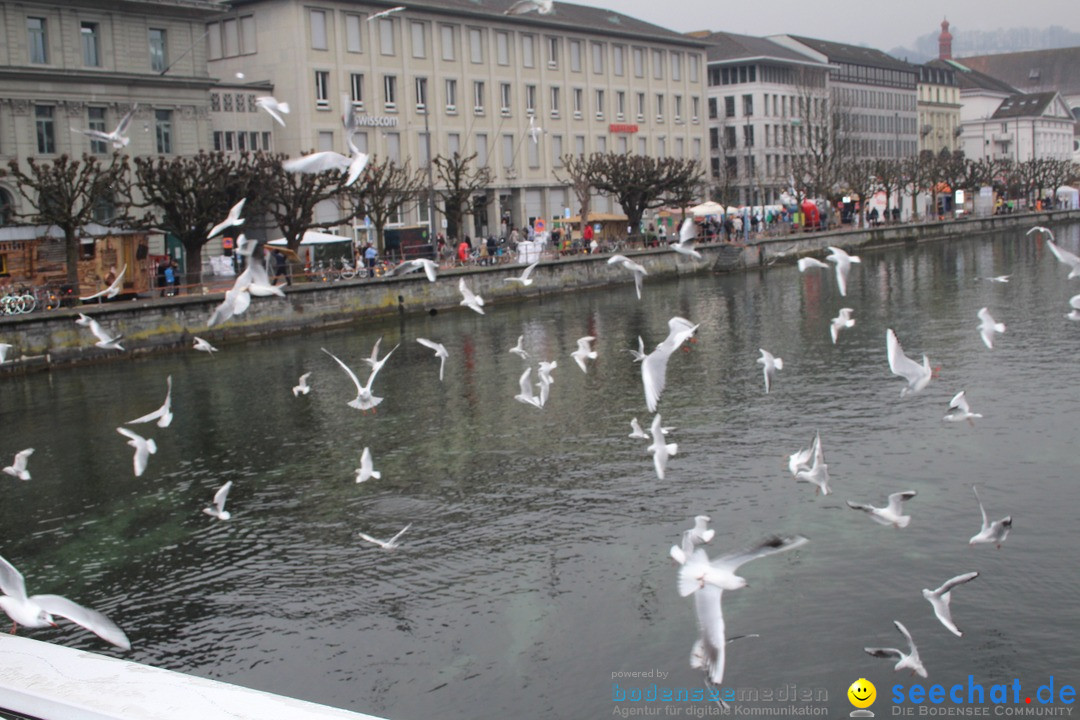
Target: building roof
x,y
1035,70
566,17
1024,105
732,46
969,79
937,75
854,54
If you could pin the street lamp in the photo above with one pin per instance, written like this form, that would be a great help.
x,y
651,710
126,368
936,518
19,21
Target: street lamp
x,y
431,184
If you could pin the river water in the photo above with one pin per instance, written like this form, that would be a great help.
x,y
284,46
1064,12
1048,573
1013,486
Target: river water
x,y
536,567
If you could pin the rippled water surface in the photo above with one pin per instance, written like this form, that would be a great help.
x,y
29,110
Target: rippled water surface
x,y
536,565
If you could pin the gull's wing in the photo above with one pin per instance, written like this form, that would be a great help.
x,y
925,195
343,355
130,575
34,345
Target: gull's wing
x,y
233,218
19,463
710,616
133,436
221,495
654,375
356,166
393,540
405,266
861,506
985,520
271,105
11,580
376,541
896,498
431,270
529,270
770,546
125,121
92,620
347,369
437,347
805,263
376,367
317,162
907,636
960,403
1063,256
373,360
890,653
584,344
949,584
688,231
899,363
525,383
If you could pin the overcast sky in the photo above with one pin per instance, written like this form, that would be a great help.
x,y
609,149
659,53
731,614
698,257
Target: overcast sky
x,y
882,25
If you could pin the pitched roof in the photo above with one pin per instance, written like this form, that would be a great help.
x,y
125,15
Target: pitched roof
x,y
855,54
969,79
1035,70
566,17
1024,105
732,46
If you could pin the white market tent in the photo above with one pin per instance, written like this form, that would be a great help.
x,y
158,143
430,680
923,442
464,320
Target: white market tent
x,y
1069,197
313,237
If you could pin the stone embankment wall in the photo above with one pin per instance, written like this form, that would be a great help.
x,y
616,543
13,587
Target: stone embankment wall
x,y
46,339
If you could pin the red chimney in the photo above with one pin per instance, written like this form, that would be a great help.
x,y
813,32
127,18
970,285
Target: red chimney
x,y
944,42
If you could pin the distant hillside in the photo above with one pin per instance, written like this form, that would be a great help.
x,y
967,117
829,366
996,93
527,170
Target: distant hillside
x,y
989,42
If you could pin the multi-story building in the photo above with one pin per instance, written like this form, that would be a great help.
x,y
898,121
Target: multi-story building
x,y
755,90
878,92
467,78
86,63
1024,127
939,109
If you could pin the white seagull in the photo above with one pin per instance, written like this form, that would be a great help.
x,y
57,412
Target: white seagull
x,y
654,366
701,533
639,354
639,433
384,13
519,349
117,138
769,365
233,219
801,460
543,373
991,532
525,279
1065,258
917,376
687,233
941,597
639,271
220,496
17,468
543,7
274,107
840,322
905,661
364,399
470,299
526,395
818,473
584,352
366,470
808,262
374,361
4,347
891,514
386,544
997,278
352,166
105,340
428,266
963,410
144,448
534,130
987,327
202,345
700,571
843,266
302,387
254,280
36,611
1074,303
660,450
163,414
440,352
113,290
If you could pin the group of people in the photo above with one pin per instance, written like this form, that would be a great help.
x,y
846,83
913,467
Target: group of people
x,y
168,277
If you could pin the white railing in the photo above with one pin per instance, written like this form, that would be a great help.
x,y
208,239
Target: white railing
x,y
51,682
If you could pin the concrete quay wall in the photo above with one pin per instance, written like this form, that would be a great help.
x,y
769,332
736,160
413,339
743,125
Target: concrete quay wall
x,y
47,339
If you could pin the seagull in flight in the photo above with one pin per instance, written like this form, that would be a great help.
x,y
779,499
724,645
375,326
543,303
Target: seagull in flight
x,y
687,233
997,279
891,514
818,473
963,410
654,366
991,532
543,7
302,387
700,571
428,266
113,290
543,374
233,219
117,138
526,395
660,450
440,352
36,611
519,349
364,399
220,496
917,376
941,597
638,270
905,661
203,346
1074,303
470,299
701,533
144,448
843,266
840,322
1065,258
534,130
254,280
17,468
987,327
584,352
163,414
384,13
374,361
367,470
801,460
386,544
769,365
105,340
351,166
272,106
525,279
808,262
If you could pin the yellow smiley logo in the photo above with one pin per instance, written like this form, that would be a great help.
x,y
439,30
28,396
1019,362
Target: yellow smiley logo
x,y
862,693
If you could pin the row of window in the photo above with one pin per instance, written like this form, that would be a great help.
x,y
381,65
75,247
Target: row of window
x,y
90,40
864,75
781,106
224,102
232,37
239,141
45,130
391,98
876,99
622,58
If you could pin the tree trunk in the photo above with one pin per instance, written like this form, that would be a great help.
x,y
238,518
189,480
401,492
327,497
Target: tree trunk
x,y
192,265
71,251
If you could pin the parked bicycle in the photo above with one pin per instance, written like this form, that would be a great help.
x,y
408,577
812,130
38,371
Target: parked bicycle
x,y
18,302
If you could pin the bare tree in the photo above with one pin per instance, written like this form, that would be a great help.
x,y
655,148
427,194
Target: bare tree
x,y
820,138
917,172
889,174
642,182
458,181
577,172
859,178
293,197
388,187
66,193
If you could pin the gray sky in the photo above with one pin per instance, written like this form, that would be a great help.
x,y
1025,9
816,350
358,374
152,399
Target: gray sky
x,y
882,25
